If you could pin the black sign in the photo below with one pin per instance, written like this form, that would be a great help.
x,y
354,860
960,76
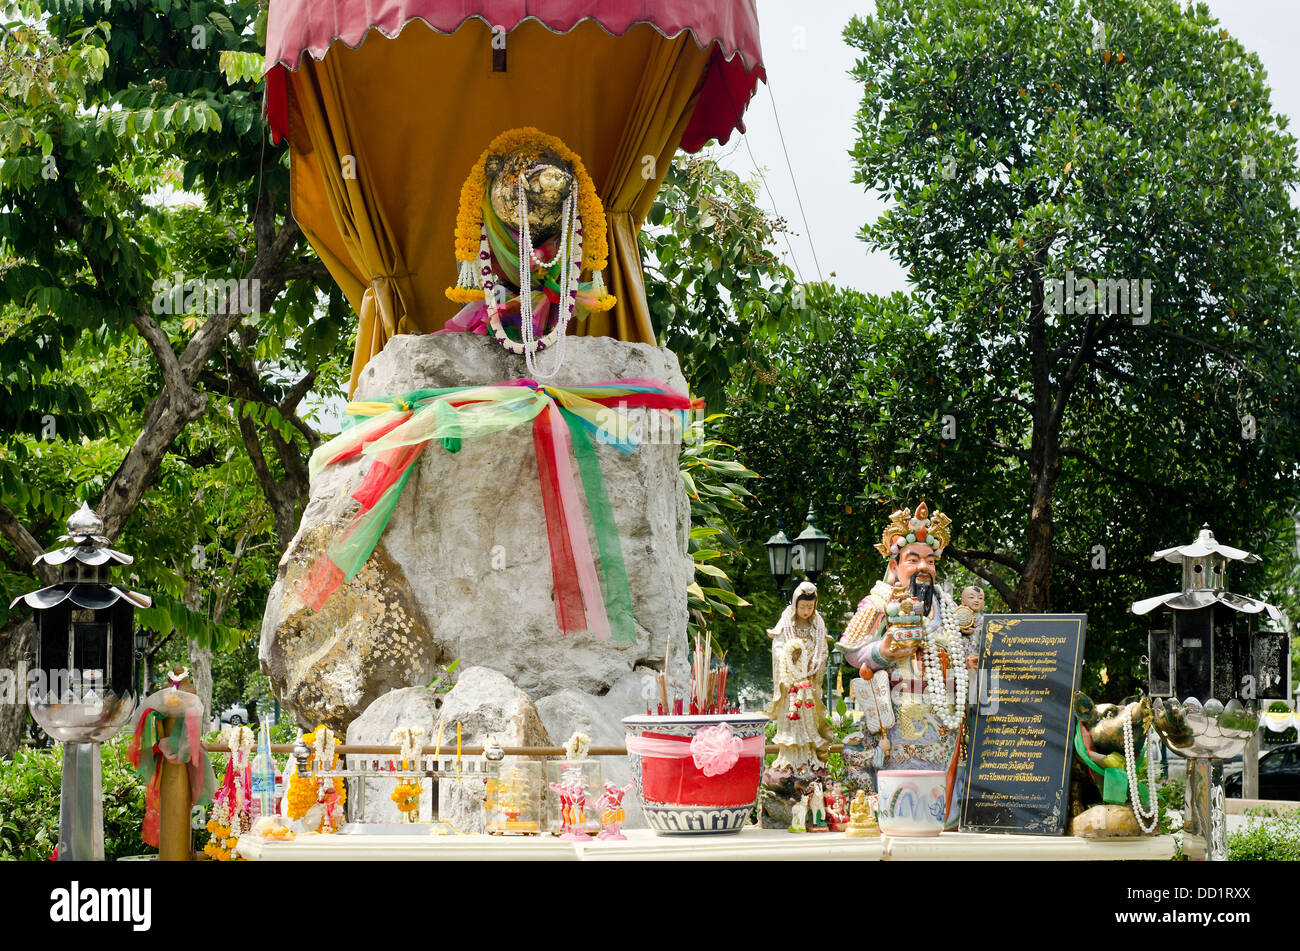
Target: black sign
x,y
1018,770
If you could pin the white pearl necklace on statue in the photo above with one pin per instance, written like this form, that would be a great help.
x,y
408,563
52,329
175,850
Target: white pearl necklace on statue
x,y
1148,817
950,717
571,247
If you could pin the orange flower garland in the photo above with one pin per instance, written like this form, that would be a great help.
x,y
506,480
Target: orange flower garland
x,y
304,792
469,217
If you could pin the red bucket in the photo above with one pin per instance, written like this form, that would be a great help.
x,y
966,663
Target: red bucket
x,y
678,796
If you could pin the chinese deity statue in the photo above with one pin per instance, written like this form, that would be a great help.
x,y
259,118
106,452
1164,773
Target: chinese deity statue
x,y
803,732
915,650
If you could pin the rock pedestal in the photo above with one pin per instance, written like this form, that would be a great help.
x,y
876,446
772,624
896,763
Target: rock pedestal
x,y
463,570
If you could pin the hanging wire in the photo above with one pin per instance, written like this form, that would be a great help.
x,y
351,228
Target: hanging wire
x,y
807,230
738,112
763,178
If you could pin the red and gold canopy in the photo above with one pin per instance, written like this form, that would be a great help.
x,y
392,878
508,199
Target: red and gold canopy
x,y
387,104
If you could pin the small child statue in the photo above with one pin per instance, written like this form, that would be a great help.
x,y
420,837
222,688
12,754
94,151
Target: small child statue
x,y
970,612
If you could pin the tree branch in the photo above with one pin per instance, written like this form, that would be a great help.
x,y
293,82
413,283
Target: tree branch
x,y
173,409
1206,345
313,270
1101,467
1007,398
993,556
28,547
1103,364
984,572
296,392
161,347
1022,454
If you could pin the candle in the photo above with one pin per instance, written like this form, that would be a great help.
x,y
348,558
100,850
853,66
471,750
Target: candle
x,y
457,751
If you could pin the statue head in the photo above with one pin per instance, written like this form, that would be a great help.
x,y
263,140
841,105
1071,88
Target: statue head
x,y
913,543
548,180
805,600
972,596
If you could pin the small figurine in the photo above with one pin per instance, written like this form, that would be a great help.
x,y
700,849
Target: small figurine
x,y
837,812
799,815
515,802
862,822
817,809
573,810
612,815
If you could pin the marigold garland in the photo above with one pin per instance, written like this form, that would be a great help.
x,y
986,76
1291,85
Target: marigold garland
x,y
304,792
469,218
407,796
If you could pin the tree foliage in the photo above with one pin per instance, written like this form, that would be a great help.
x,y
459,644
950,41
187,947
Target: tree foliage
x,y
1022,143
714,282
135,158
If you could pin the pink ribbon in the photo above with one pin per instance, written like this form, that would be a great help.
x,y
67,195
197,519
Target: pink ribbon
x,y
715,749
575,527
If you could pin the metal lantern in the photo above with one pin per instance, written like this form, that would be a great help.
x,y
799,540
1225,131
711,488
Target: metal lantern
x,y
1205,648
778,558
813,543
85,686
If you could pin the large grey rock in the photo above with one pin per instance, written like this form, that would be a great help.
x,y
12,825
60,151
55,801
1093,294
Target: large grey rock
x,y
570,711
467,549
327,666
484,702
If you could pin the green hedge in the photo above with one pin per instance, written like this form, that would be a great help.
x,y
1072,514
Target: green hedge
x,y
1267,838
29,803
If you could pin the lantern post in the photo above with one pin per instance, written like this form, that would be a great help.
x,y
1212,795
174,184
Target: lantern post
x,y
1205,647
85,686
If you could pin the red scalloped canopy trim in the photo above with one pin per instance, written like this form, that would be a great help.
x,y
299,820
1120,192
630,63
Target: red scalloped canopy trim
x,y
298,28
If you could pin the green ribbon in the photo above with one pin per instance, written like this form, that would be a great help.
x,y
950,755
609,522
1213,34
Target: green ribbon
x,y
618,594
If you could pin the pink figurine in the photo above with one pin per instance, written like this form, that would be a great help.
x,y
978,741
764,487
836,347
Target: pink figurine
x,y
573,810
612,815
837,813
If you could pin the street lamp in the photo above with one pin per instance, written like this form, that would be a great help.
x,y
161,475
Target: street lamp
x,y
813,543
86,689
1204,646
778,558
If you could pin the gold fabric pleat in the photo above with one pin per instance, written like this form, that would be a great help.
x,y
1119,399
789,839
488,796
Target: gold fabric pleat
x,y
383,136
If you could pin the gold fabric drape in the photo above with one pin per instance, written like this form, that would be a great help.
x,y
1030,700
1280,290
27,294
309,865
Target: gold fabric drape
x,y
383,136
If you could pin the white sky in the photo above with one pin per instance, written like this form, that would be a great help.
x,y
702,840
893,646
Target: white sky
x,y
808,67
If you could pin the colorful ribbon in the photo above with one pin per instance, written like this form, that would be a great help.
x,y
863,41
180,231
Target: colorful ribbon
x,y
151,743
396,431
704,756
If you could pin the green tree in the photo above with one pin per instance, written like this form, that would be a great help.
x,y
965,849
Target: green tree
x,y
108,110
714,282
1020,144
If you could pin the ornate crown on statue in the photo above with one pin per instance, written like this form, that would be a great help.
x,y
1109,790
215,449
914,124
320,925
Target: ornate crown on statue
x,y
907,528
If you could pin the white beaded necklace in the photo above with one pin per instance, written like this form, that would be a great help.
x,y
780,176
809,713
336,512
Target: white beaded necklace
x,y
570,242
1148,817
937,688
